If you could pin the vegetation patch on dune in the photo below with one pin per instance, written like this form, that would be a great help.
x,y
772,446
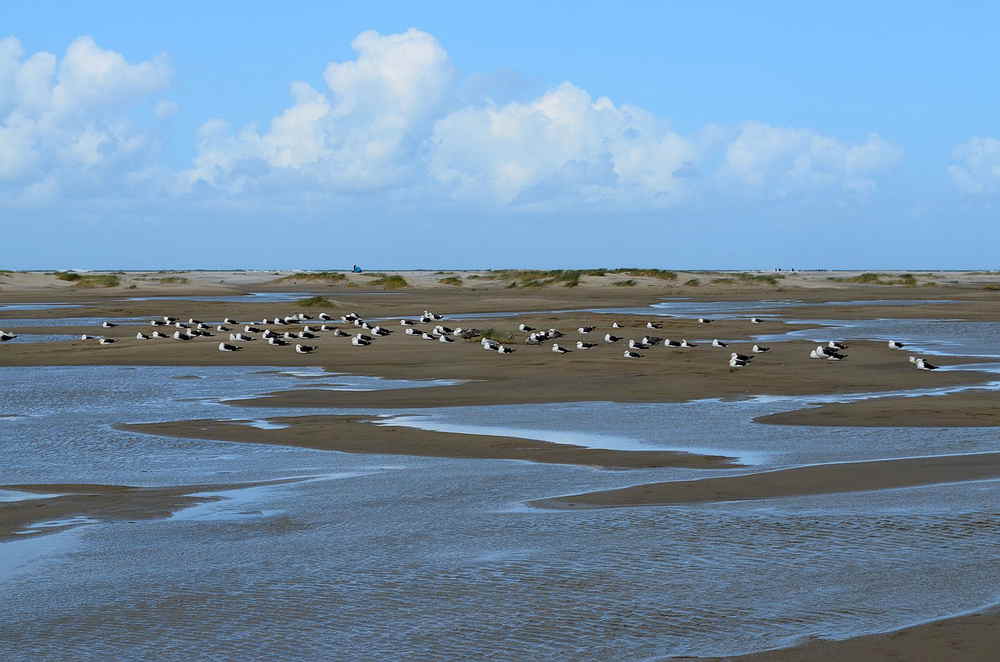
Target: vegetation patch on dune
x,y
451,280
173,280
624,283
98,280
70,276
390,282
694,282
312,302
871,278
662,274
315,276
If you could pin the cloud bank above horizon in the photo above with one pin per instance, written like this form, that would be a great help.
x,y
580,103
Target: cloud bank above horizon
x,y
395,127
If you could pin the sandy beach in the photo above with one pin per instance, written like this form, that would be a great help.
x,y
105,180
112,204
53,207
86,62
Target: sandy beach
x,y
534,374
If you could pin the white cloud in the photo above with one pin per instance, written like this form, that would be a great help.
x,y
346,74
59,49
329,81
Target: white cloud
x,y
166,108
362,134
397,125
977,167
61,121
388,121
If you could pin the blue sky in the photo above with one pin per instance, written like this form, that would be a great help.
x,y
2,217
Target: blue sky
x,y
524,134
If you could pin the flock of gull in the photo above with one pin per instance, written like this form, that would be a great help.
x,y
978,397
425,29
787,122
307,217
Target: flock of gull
x,y
277,332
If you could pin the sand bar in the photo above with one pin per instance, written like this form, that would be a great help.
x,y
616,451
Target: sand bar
x,y
353,434
101,502
800,481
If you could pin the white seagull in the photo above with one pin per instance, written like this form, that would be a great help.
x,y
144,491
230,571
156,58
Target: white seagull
x,y
895,344
141,336
4,336
718,343
108,325
629,354
106,341
558,349
758,349
924,365
226,347
610,338
305,349
756,320
585,345
505,350
685,343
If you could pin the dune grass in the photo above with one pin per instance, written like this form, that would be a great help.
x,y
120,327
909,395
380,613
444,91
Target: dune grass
x,y
313,302
694,282
393,282
451,280
315,276
625,283
97,280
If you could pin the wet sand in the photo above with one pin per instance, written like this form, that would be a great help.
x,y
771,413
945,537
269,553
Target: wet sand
x,y
972,408
536,375
352,434
800,481
969,638
18,519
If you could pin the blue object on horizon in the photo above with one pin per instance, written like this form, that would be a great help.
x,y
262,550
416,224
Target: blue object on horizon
x,y
356,269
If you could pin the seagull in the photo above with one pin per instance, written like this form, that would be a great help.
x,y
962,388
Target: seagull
x,y
4,336
559,349
108,325
306,334
826,352
139,336
737,363
443,330
180,335
252,329
340,333
702,320
524,327
505,350
610,338
359,341
443,338
241,337
616,325
305,349
229,320
157,334
924,365
106,341
740,357
325,317
86,337
427,336
760,349
653,325
169,320
226,347
379,331
585,345
327,327
585,329
836,345
182,325
406,322
756,320
629,354
410,331
633,344
157,323
276,341
192,320
671,343
718,343
895,344
434,316
685,343
490,345
651,340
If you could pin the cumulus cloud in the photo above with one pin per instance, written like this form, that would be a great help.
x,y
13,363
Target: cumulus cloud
x,y
362,133
61,120
396,123
389,120
977,166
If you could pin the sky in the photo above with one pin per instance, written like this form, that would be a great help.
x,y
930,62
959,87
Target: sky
x,y
515,134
